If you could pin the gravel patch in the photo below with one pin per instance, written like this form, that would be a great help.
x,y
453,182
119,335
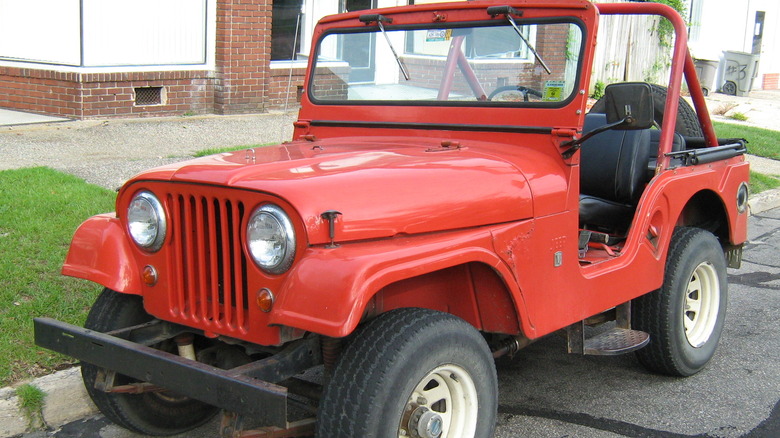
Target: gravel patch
x,y
107,153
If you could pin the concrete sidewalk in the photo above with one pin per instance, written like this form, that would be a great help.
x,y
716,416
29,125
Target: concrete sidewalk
x,y
762,108
17,118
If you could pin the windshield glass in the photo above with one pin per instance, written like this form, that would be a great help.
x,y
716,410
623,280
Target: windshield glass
x,y
487,64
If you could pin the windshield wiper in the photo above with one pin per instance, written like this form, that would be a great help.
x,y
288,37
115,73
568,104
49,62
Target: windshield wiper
x,y
379,18
508,11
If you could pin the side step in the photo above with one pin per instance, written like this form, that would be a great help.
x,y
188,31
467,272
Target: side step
x,y
619,340
616,341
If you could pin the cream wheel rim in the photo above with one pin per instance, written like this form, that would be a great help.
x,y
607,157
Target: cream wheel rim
x,y
443,404
701,304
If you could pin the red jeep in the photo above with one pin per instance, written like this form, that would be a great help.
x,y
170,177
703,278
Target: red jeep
x,y
445,200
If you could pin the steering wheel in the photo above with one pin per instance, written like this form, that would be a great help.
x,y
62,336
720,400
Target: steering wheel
x,y
515,93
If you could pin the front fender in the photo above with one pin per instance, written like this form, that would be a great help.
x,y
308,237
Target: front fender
x,y
329,288
100,252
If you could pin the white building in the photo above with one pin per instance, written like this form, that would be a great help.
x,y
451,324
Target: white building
x,y
751,26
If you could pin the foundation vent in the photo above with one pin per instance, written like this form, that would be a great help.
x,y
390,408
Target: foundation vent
x,y
148,96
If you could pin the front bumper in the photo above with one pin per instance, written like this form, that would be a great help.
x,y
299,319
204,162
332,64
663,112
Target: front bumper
x,y
232,390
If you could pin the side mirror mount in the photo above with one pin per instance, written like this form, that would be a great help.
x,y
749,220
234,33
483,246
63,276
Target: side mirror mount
x,y
631,104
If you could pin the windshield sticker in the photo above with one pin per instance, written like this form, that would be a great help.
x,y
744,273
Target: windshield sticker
x,y
553,91
438,35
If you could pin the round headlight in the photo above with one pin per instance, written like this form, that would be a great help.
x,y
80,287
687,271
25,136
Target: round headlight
x,y
146,221
271,239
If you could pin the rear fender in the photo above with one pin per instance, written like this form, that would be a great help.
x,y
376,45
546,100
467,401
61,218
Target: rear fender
x,y
717,201
100,252
673,197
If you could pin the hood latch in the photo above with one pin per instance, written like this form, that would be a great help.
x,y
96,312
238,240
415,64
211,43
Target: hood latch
x,y
331,216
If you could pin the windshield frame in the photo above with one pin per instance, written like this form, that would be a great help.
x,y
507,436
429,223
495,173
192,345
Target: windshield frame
x,y
375,29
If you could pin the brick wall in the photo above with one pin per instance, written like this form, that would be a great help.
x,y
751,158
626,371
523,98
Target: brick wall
x,y
40,91
243,54
282,85
99,95
330,83
240,82
771,81
551,46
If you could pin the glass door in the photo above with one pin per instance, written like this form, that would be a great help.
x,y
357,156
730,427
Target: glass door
x,y
362,61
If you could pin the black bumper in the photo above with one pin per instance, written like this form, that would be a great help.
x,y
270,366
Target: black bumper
x,y
226,389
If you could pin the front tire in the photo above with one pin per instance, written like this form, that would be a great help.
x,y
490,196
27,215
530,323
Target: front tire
x,y
147,413
415,372
685,317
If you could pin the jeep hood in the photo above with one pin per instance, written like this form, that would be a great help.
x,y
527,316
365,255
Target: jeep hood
x,y
380,189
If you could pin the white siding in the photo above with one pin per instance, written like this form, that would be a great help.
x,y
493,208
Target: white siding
x,y
106,33
144,32
719,25
40,30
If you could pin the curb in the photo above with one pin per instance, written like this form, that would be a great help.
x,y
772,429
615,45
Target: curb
x,y
67,400
764,201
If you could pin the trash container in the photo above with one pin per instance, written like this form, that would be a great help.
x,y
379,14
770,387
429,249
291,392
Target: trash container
x,y
705,70
739,70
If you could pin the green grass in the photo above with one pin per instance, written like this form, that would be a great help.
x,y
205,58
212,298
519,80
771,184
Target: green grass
x,y
212,151
31,401
739,116
759,182
39,210
761,142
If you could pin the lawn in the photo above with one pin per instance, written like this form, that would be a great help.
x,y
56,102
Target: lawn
x,y
39,211
761,142
213,151
759,182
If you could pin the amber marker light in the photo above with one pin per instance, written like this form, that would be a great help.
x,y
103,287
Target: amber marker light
x,y
149,275
265,300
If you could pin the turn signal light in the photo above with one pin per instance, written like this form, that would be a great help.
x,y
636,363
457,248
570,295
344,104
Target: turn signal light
x,y
265,300
149,275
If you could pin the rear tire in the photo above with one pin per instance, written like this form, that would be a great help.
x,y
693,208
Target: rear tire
x,y
687,122
147,413
412,370
685,317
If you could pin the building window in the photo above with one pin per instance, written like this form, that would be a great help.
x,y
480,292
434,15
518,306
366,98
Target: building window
x,y
286,29
356,5
484,43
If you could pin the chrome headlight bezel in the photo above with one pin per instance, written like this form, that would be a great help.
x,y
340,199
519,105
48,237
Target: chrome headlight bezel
x,y
743,195
145,208
270,239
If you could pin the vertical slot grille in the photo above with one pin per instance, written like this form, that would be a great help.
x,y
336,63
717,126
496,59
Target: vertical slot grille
x,y
210,283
